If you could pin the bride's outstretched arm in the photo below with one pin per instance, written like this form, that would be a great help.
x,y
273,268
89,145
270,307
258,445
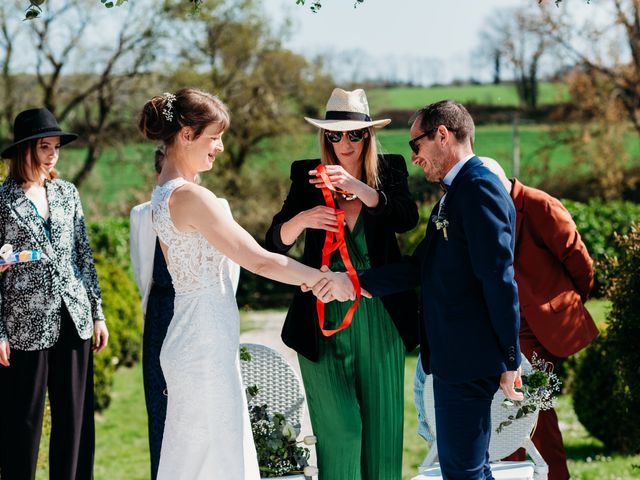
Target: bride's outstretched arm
x,y
194,208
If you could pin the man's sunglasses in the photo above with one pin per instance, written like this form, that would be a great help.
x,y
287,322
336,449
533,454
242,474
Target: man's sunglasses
x,y
352,135
413,143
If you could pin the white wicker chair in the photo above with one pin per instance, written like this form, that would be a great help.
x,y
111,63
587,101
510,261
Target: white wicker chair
x,y
278,384
503,444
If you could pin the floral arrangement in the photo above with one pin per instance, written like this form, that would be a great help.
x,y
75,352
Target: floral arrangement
x,y
279,452
539,388
441,222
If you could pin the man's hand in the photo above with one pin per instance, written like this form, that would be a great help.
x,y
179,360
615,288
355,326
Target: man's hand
x,y
509,381
341,288
335,286
5,353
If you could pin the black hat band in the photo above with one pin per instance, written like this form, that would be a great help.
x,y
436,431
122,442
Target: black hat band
x,y
337,115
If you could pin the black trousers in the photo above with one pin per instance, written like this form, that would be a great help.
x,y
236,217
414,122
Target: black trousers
x,y
66,370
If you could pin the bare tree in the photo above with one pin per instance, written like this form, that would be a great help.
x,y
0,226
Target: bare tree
x,y
604,47
515,36
81,76
9,35
267,87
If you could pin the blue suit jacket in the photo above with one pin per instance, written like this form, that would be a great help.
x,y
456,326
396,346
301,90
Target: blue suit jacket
x,y
470,310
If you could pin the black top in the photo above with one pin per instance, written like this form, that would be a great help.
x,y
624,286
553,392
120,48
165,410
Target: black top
x,y
396,212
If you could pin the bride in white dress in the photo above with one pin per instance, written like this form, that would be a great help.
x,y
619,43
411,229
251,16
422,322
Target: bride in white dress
x,y
207,432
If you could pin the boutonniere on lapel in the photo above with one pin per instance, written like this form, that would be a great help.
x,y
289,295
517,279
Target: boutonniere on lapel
x,y
441,222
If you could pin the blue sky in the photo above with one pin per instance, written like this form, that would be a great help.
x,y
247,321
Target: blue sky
x,y
395,33
433,40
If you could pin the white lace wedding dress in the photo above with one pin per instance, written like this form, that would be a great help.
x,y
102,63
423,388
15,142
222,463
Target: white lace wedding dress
x,y
207,434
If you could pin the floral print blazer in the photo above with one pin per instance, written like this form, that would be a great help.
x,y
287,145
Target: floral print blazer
x,y
32,293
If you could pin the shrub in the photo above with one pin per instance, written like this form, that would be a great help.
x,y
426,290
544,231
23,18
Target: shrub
x,y
256,292
598,222
124,319
596,393
110,238
607,383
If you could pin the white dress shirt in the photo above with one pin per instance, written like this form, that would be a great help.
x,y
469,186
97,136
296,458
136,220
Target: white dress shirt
x,y
451,174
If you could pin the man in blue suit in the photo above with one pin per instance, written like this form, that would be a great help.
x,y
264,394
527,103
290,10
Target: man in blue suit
x,y
470,312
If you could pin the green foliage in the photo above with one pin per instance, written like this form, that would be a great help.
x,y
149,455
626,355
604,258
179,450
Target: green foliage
x,y
122,311
607,383
598,394
35,6
598,222
539,388
110,238
276,446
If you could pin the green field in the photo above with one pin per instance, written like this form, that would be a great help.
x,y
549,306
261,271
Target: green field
x,y
124,176
504,95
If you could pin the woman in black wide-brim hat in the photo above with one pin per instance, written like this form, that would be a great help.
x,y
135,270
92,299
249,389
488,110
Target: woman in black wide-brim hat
x,y
354,380
49,309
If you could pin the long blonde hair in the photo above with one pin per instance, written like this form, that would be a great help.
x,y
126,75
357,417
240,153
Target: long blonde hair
x,y
369,153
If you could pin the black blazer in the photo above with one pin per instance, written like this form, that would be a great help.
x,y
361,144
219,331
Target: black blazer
x,y
396,212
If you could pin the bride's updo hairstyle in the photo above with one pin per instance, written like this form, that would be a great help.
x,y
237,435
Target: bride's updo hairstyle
x,y
164,115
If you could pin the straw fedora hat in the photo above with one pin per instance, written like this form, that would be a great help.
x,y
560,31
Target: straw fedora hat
x,y
33,124
347,111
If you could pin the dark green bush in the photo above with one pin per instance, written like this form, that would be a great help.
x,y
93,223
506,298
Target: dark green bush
x,y
597,222
596,392
124,319
607,384
256,292
110,238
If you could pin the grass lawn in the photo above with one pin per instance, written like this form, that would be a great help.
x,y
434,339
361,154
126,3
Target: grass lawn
x,y
121,436
587,459
488,94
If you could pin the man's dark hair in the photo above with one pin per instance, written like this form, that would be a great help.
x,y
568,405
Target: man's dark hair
x,y
451,114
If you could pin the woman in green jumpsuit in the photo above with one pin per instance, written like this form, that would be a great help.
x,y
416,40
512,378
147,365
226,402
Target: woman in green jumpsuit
x,y
353,379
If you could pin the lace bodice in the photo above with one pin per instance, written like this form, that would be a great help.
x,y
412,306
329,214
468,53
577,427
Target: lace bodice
x,y
194,264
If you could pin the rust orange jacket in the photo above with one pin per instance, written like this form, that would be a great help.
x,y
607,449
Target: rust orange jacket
x,y
554,272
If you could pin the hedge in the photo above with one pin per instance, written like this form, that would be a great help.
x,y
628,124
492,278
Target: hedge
x,y
598,221
606,391
122,310
121,303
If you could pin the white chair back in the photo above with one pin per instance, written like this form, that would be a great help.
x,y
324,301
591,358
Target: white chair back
x,y
278,384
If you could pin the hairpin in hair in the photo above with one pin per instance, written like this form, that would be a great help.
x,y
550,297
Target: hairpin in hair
x,y
167,111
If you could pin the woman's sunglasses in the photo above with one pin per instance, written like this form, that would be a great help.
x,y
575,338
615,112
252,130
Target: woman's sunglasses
x,y
352,135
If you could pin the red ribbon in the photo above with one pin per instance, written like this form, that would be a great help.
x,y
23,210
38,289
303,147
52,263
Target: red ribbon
x,y
335,241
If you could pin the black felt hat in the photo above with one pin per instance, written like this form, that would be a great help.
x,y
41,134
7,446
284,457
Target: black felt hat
x,y
33,124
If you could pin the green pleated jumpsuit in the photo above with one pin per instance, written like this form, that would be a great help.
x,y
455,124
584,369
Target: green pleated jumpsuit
x,y
355,390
